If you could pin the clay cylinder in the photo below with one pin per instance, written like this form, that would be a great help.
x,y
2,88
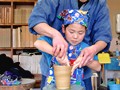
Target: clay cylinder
x,y
62,76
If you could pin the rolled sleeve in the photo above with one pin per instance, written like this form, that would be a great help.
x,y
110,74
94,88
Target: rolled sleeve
x,y
43,12
102,29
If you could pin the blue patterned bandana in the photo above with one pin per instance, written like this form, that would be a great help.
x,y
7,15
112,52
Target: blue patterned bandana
x,y
74,16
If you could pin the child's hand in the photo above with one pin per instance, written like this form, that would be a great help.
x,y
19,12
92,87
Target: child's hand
x,y
76,64
59,45
64,61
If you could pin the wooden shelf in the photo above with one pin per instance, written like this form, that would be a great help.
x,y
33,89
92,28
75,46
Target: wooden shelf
x,y
3,25
21,24
24,24
18,0
15,39
23,3
19,48
24,0
5,0
15,19
5,49
5,3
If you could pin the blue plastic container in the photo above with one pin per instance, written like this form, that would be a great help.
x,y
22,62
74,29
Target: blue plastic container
x,y
114,87
114,65
110,83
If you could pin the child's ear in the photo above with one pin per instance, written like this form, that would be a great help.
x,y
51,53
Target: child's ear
x,y
63,28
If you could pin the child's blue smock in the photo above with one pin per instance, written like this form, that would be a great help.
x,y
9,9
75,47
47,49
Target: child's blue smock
x,y
70,54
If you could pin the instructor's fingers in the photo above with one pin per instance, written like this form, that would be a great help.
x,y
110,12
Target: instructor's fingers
x,y
57,50
62,52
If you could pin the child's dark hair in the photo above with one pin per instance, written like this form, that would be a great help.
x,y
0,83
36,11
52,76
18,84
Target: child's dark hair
x,y
66,26
69,24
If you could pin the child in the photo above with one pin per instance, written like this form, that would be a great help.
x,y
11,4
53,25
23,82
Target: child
x,y
74,28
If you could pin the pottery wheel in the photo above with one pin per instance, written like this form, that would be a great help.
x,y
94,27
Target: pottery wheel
x,y
73,87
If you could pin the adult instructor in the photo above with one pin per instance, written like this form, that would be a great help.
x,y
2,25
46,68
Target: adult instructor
x,y
43,20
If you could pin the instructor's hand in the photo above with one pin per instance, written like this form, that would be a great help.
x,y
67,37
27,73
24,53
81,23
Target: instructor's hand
x,y
59,46
87,55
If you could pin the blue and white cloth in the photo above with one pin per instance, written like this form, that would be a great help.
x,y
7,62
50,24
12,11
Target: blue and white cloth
x,y
71,16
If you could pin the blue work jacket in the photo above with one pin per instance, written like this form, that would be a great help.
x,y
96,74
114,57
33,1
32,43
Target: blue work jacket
x,y
99,28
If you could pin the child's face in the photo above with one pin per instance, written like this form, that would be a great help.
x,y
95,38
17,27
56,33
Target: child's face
x,y
74,33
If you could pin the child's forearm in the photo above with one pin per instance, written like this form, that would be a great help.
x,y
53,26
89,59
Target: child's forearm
x,y
43,46
94,65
